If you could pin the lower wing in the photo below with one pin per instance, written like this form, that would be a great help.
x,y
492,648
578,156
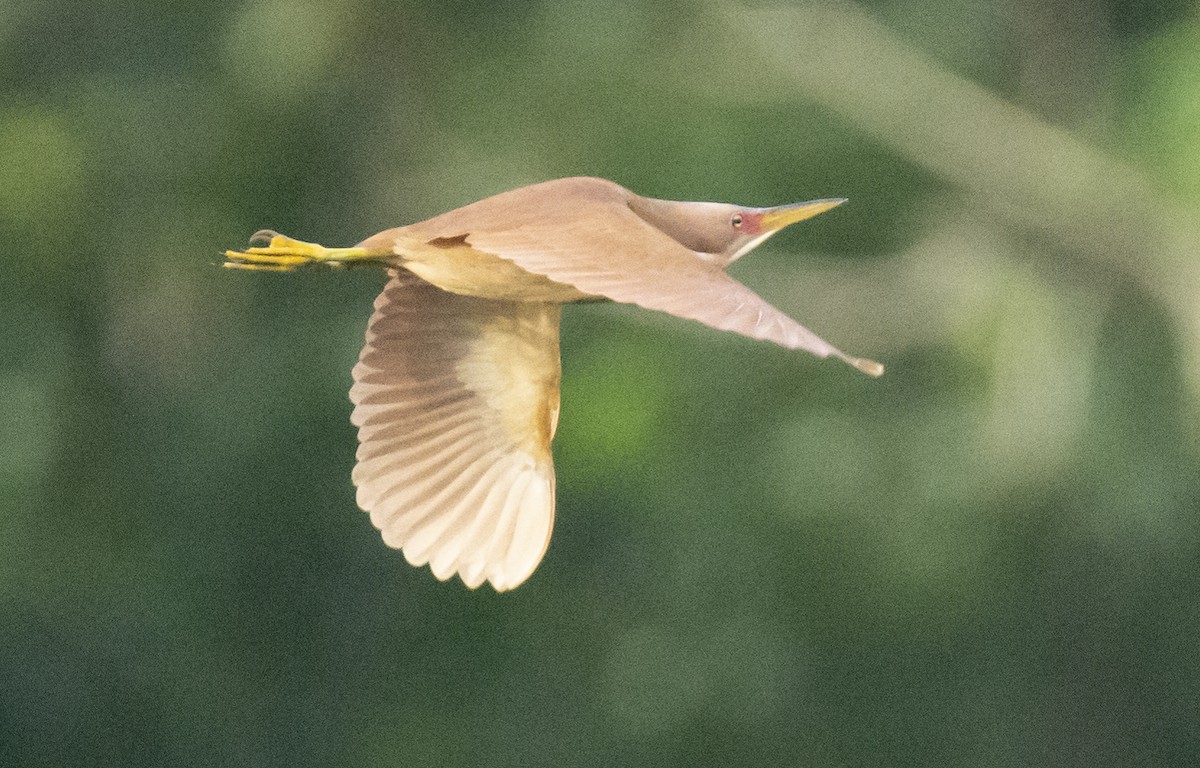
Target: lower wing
x,y
456,401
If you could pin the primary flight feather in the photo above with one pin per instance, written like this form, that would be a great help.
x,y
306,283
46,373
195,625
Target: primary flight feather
x,y
456,392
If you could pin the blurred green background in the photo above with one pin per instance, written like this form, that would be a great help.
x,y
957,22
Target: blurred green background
x,y
988,557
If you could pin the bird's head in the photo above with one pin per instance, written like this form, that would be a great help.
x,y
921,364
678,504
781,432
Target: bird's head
x,y
754,225
723,233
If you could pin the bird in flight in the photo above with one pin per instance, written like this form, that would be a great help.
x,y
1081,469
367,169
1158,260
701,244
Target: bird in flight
x,y
456,392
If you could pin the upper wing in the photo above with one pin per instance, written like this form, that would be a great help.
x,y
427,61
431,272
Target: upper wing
x,y
653,271
456,401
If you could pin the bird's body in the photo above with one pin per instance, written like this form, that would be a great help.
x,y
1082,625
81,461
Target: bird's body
x,y
456,392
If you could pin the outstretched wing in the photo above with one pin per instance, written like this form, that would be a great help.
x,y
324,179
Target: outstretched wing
x,y
652,270
456,401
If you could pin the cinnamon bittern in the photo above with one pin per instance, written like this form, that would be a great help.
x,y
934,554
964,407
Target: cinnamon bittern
x,y
456,393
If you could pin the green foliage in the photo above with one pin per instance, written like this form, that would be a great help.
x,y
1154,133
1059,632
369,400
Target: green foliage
x,y
987,557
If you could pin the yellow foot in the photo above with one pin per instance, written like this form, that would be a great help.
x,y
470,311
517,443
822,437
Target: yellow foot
x,y
283,254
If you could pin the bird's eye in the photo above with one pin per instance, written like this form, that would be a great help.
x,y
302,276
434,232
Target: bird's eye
x,y
737,221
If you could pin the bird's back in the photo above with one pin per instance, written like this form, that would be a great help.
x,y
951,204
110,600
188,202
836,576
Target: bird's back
x,y
439,250
557,200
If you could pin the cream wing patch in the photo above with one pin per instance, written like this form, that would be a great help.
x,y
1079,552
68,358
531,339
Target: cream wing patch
x,y
456,402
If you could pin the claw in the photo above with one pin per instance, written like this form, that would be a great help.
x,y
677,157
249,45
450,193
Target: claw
x,y
279,254
264,236
283,254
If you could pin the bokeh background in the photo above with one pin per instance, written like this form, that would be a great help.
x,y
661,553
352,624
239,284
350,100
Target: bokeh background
x,y
988,557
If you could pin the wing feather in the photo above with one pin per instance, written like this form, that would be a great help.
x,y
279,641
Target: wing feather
x,y
455,399
658,274
651,269
584,236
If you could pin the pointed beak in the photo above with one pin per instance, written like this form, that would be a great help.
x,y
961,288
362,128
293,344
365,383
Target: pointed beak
x,y
775,219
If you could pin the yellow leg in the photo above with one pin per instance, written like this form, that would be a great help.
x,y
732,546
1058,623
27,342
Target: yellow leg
x,y
283,254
